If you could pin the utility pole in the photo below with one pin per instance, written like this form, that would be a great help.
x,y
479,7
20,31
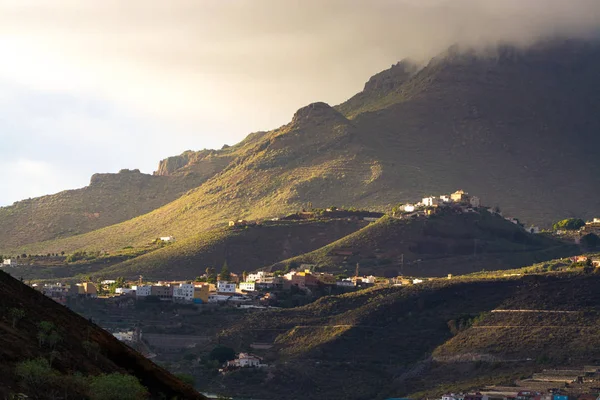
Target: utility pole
x,y
357,267
402,264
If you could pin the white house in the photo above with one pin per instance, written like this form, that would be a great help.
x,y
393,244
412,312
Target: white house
x,y
245,360
108,282
445,199
142,290
474,201
431,201
408,208
416,281
167,238
225,287
248,286
345,283
368,279
125,336
122,290
9,262
185,292
453,396
258,276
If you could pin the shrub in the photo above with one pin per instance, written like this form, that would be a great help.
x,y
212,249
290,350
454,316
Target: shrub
x,y
222,354
16,314
116,387
570,224
36,374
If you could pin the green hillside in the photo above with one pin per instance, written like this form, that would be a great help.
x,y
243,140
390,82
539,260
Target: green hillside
x,y
244,249
399,341
511,126
49,352
448,242
109,199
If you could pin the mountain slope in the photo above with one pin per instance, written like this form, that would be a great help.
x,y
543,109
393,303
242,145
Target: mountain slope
x,y
378,343
244,249
515,127
448,242
109,199
81,347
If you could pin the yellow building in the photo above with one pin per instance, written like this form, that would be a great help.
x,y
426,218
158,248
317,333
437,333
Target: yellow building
x,y
89,289
201,292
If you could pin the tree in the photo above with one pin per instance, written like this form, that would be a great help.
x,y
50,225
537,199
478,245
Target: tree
x,y
590,241
569,224
186,378
36,374
116,386
225,275
222,354
16,314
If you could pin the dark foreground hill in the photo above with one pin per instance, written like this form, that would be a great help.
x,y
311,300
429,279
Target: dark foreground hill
x,y
33,327
411,341
449,242
517,127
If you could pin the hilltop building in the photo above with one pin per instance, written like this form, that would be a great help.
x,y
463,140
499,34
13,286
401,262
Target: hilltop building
x,y
9,262
431,201
245,360
248,286
164,293
225,287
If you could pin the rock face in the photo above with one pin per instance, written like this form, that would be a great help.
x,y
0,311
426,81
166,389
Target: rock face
x,y
391,78
316,113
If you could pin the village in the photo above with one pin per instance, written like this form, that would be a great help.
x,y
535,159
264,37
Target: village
x,y
129,307
550,384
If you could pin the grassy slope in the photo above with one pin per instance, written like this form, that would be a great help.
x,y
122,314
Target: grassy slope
x,y
515,127
20,343
377,343
443,243
109,199
244,249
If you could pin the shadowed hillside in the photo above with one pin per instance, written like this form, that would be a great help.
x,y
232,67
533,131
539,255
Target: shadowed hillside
x,y
391,342
244,249
512,126
448,242
73,344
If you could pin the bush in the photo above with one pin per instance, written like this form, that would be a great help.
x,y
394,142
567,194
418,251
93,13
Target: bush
x,y
590,241
222,354
116,387
36,374
570,224
186,378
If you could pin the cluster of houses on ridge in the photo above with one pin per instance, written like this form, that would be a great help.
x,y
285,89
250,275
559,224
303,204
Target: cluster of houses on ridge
x,y
459,200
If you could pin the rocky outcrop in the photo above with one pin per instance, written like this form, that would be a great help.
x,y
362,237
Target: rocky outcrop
x,y
316,113
392,78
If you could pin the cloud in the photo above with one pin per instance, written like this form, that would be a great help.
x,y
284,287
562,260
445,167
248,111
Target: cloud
x,y
138,78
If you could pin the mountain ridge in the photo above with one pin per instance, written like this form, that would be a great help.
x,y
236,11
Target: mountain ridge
x,y
515,127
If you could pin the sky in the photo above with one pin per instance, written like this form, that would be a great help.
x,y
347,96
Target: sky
x,y
101,85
